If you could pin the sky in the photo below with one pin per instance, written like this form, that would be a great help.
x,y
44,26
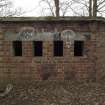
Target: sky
x,y
30,7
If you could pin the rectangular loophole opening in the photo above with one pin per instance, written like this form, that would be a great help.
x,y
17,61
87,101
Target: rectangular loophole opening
x,y
38,48
78,48
17,48
58,48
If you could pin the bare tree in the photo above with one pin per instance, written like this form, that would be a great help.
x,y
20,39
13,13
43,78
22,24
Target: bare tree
x,y
47,6
94,7
91,8
65,7
6,9
57,7
100,5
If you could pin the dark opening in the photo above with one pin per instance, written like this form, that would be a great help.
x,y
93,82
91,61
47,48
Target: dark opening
x,y
78,48
38,48
17,48
58,48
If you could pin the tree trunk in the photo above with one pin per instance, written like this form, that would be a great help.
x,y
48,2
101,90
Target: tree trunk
x,y
94,8
90,8
57,7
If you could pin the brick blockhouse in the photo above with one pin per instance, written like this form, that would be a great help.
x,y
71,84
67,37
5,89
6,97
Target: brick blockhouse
x,y
48,48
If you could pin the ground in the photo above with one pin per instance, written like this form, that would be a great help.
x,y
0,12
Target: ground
x,y
56,93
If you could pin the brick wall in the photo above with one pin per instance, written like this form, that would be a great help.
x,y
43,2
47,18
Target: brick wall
x,y
100,52
49,67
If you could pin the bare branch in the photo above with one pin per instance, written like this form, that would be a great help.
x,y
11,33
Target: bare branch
x,y
6,9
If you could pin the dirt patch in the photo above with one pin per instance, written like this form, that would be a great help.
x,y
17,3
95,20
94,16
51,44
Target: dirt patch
x,y
56,93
